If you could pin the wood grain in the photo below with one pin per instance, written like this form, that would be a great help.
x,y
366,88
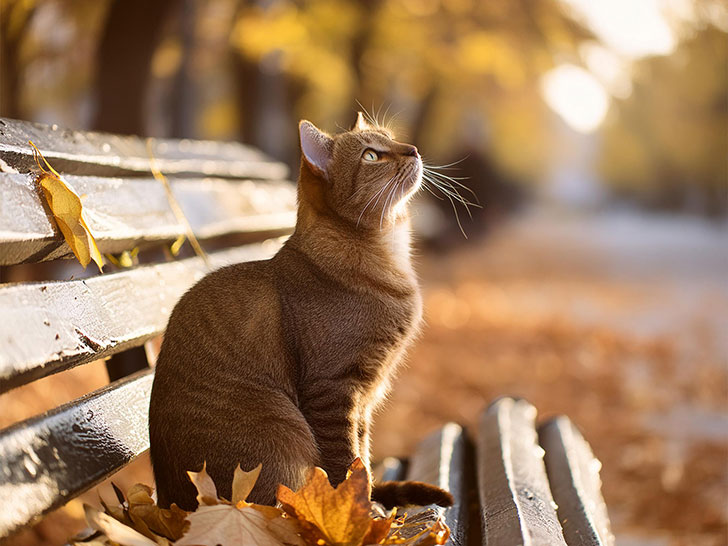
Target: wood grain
x,y
574,476
58,325
515,500
125,213
102,154
52,458
440,459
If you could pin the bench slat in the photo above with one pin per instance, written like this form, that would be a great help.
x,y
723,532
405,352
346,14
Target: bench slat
x,y
440,459
58,325
124,213
516,502
574,476
102,154
391,469
50,459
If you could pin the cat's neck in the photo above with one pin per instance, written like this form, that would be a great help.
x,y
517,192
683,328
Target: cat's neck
x,y
354,254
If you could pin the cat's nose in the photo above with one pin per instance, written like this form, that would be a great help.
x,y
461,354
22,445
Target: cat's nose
x,y
411,150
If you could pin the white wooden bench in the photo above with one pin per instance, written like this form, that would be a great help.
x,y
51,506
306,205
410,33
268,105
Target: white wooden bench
x,y
517,483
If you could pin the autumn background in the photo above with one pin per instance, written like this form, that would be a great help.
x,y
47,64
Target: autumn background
x,y
594,134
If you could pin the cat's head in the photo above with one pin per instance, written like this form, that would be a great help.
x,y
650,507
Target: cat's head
x,y
363,175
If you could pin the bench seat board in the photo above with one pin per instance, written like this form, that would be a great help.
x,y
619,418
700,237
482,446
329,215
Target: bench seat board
x,y
58,325
125,213
440,459
52,458
102,154
515,498
574,477
391,469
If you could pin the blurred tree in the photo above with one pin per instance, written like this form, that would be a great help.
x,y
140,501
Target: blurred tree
x,y
411,55
15,18
131,34
666,144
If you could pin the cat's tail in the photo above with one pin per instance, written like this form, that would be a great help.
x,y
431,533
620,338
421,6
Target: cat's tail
x,y
392,494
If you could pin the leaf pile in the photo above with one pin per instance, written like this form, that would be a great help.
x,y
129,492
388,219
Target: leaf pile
x,y
317,514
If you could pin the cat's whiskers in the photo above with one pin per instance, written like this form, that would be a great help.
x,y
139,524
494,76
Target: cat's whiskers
x,y
447,185
386,203
377,195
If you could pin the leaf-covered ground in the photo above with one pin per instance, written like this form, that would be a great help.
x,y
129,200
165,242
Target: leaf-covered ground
x,y
618,321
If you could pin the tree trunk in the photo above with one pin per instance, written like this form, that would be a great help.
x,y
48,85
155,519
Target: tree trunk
x,y
131,34
10,69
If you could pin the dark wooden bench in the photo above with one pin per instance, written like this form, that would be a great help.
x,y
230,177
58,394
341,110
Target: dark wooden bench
x,y
518,483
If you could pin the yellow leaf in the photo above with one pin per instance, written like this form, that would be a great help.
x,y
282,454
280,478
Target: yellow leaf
x,y
177,245
331,516
67,211
243,483
206,490
125,259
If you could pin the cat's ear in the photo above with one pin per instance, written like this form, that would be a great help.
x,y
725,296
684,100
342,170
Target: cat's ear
x,y
317,146
361,123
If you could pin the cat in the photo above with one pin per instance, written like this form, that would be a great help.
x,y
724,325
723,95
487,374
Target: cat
x,y
283,361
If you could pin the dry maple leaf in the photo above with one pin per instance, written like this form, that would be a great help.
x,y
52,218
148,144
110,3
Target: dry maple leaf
x,y
227,524
333,516
206,490
217,521
67,211
144,513
243,483
115,530
424,527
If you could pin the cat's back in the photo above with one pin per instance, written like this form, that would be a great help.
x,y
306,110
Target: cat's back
x,y
225,329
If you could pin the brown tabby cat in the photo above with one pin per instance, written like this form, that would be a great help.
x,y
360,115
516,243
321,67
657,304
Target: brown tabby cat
x,y
283,361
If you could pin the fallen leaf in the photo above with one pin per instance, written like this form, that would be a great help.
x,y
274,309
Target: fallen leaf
x,y
331,516
243,483
67,211
206,490
144,513
115,530
125,259
228,525
421,528
177,244
176,210
379,529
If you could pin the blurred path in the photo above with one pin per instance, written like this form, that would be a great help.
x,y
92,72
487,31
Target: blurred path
x,y
618,320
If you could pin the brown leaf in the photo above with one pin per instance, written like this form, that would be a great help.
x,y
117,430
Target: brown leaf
x,y
379,529
243,483
115,530
421,528
206,490
331,516
67,211
145,513
226,524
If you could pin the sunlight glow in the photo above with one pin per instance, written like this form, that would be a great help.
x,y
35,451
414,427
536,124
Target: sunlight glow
x,y
576,96
613,72
632,28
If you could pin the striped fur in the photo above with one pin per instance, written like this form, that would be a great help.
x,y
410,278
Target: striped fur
x,y
283,362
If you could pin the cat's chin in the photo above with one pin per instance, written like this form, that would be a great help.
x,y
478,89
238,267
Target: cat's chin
x,y
410,188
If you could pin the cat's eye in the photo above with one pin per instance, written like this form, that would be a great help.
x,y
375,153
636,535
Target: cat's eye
x,y
370,155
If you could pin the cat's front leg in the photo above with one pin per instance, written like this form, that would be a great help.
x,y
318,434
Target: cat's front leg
x,y
334,419
364,433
